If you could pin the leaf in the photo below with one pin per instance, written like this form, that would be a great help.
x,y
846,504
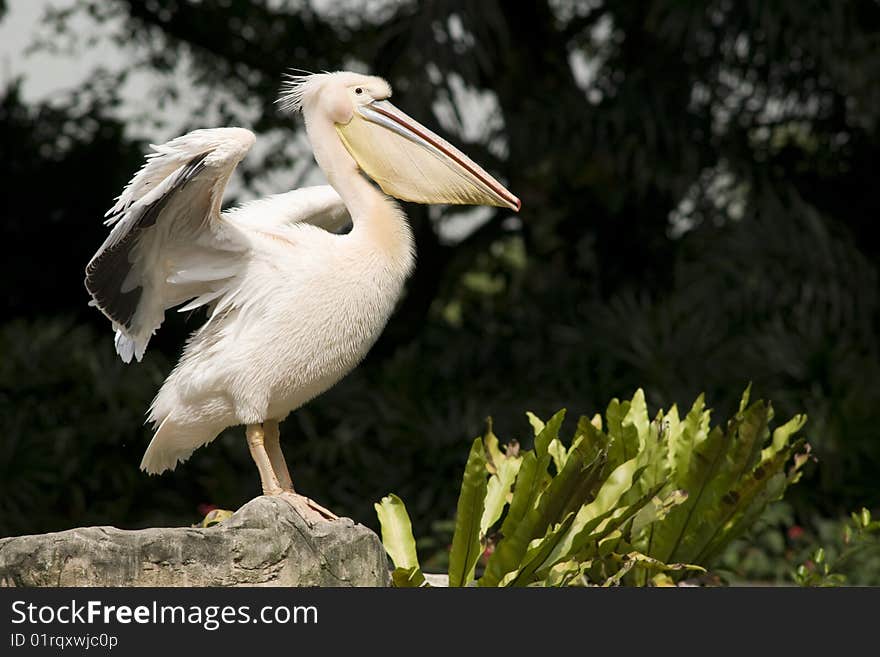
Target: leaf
x,y
497,492
466,545
637,559
397,536
744,400
782,435
524,492
751,434
670,435
624,442
408,578
549,433
599,518
594,439
538,552
564,497
494,457
719,464
653,452
734,494
657,509
522,522
676,536
569,489
637,418
215,517
536,422
692,431
662,580
566,573
766,483
566,493
618,482
558,453
620,516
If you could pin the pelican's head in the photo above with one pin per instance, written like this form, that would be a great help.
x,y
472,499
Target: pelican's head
x,y
406,160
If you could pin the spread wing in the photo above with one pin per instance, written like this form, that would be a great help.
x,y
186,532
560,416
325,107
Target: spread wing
x,y
169,243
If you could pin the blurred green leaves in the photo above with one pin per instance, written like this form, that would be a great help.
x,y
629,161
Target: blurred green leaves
x,y
860,546
72,420
66,410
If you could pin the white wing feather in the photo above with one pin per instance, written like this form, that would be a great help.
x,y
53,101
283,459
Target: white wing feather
x,y
320,206
170,244
167,221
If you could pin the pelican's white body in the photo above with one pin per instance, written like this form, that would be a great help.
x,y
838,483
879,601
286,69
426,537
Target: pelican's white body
x,y
316,303
293,305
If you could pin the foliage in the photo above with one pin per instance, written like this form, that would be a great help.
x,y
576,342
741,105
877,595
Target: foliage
x,y
72,421
768,551
622,501
860,541
780,543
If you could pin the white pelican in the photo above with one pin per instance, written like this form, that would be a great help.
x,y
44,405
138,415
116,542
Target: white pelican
x,y
293,303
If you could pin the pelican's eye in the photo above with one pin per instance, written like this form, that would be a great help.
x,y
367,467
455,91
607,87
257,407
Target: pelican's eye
x,y
359,91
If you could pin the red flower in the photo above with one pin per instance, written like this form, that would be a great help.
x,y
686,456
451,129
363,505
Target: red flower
x,y
795,532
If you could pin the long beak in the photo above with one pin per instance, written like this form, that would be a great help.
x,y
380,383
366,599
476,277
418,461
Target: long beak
x,y
411,163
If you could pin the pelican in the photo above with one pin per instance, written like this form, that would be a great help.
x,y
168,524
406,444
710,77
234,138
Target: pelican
x,y
293,301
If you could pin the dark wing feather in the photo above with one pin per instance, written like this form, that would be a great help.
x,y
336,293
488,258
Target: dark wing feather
x,y
111,264
169,243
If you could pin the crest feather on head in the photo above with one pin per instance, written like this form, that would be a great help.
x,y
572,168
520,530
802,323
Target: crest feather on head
x,y
297,90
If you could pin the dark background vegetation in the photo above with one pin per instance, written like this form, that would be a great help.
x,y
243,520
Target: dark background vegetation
x,y
698,213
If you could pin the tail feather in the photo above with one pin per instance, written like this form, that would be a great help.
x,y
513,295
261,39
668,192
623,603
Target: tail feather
x,y
174,443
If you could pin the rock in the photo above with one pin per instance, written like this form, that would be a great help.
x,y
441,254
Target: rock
x,y
265,543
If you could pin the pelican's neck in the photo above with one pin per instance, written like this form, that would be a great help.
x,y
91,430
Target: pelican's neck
x,y
374,216
359,196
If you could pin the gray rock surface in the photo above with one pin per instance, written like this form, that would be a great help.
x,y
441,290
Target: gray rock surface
x,y
265,543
